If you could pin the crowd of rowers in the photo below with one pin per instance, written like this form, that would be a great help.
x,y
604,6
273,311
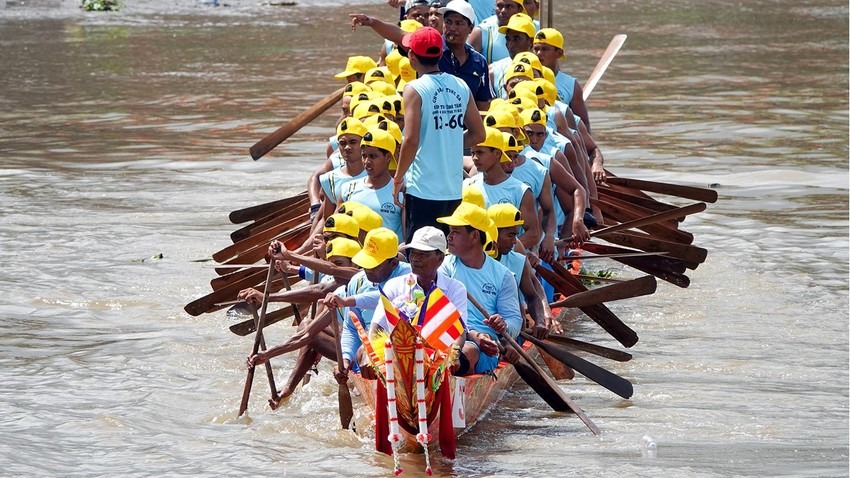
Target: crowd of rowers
x,y
456,164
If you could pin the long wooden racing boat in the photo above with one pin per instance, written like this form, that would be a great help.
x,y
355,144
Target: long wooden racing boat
x,y
452,405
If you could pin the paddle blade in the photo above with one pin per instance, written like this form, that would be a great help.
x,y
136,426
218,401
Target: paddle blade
x,y
623,290
609,380
533,379
346,409
609,353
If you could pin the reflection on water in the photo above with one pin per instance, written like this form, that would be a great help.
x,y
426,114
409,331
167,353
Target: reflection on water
x,y
124,136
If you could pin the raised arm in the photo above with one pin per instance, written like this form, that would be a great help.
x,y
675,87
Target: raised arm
x,y
388,31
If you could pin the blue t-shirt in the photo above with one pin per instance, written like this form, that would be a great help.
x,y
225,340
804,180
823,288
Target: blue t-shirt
x,y
437,170
494,287
483,9
500,71
378,200
473,72
545,160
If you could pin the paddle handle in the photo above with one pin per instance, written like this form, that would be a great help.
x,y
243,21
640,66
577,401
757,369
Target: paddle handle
x,y
689,192
661,216
280,135
269,370
549,381
258,338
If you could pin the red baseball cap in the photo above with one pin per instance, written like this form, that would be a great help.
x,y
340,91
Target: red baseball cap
x,y
425,42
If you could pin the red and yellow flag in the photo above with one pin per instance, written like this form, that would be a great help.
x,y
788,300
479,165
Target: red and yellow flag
x,y
442,321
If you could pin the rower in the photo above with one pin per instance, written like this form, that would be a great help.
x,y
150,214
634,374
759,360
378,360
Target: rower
x,y
375,191
571,196
356,68
536,177
519,37
549,47
487,281
350,132
380,263
507,220
499,187
488,37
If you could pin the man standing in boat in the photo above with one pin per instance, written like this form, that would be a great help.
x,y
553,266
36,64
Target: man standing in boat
x,y
438,107
487,281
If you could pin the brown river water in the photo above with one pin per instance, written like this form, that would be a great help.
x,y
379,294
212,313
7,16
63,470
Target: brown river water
x,y
125,135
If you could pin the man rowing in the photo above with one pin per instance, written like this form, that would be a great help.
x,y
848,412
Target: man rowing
x,y
375,191
487,281
498,186
507,220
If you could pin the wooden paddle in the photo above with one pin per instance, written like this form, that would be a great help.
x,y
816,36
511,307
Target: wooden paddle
x,y
689,192
662,262
266,222
598,313
599,350
258,338
661,216
609,380
281,134
269,371
584,257
653,204
662,229
547,382
607,58
253,213
624,290
248,327
346,409
689,253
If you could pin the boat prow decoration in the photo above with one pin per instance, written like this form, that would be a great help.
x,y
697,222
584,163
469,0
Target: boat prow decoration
x,y
452,404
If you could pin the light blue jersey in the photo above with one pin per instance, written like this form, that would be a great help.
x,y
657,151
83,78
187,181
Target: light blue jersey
x,y
483,9
336,160
509,191
515,262
492,42
565,84
494,287
532,174
334,181
437,170
359,284
378,200
545,160
499,70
